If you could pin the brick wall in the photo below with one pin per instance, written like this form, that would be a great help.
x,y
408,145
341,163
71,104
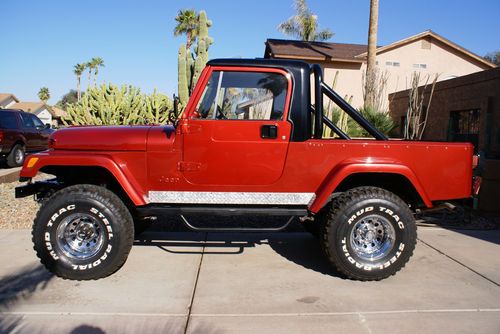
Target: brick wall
x,y
474,91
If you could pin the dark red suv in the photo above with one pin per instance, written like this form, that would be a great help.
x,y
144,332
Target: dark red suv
x,y
21,133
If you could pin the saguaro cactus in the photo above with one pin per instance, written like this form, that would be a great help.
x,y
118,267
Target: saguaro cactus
x,y
183,77
190,66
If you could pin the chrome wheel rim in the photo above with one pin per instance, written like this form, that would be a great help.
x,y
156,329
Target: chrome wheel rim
x,y
19,156
372,238
80,236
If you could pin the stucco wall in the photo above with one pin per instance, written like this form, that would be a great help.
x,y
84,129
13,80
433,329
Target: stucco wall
x,y
438,58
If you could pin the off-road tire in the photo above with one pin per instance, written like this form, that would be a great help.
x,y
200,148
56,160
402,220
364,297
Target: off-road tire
x,y
13,159
360,220
87,213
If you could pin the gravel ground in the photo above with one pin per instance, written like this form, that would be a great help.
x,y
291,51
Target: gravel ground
x,y
16,213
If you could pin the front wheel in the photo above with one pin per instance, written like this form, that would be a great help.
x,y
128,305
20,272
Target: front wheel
x,y
368,233
83,232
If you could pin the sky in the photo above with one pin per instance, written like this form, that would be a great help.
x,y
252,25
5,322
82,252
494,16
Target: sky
x,y
43,40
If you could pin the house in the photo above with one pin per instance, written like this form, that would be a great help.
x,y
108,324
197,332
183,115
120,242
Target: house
x,y
57,114
38,108
465,109
427,52
7,100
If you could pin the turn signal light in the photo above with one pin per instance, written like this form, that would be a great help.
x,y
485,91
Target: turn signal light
x,y
32,162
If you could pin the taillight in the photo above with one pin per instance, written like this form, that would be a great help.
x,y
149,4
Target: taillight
x,y
475,161
1,135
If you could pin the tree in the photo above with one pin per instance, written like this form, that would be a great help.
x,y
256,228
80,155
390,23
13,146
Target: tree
x,y
304,25
96,63
372,54
44,94
187,23
78,70
70,97
89,66
493,57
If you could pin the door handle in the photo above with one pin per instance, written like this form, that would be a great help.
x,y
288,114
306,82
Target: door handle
x,y
268,132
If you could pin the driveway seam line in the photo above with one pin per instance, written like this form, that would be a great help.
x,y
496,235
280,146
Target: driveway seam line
x,y
195,285
208,315
460,263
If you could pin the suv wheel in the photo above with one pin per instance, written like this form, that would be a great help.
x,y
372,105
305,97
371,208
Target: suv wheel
x,y
16,156
84,232
368,233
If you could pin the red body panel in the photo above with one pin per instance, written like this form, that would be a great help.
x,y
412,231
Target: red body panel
x,y
101,138
230,156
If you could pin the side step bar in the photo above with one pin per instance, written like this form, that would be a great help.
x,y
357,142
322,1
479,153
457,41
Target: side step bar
x,y
290,211
155,210
235,229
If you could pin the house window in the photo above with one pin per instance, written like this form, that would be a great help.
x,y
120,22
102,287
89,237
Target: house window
x,y
392,63
464,126
424,66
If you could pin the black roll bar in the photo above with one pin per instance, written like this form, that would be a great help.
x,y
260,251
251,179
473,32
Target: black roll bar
x,y
321,88
352,112
318,101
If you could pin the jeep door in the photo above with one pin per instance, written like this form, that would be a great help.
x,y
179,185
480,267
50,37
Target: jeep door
x,y
237,133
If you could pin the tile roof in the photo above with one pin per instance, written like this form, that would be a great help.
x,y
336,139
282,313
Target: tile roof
x,y
32,107
5,96
281,48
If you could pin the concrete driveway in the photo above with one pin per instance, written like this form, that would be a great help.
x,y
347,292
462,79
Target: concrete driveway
x,y
256,283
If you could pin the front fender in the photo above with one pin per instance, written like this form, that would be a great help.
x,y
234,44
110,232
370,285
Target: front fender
x,y
342,171
51,158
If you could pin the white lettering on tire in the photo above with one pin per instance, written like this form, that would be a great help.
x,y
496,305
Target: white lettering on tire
x,y
95,263
359,213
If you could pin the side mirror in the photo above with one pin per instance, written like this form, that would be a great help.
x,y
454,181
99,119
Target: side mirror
x,y
47,126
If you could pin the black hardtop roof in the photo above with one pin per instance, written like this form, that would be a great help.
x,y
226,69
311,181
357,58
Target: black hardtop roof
x,y
261,62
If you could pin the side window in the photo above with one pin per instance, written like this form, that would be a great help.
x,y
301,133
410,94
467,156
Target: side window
x,y
8,120
37,122
27,120
244,96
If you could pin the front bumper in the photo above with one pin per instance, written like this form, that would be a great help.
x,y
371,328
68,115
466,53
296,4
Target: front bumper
x,y
40,189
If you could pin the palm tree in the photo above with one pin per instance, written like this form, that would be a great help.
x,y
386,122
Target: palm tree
x,y
372,54
304,25
187,23
96,62
89,66
44,94
78,70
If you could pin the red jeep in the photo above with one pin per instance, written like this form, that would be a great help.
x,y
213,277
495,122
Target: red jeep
x,y
249,142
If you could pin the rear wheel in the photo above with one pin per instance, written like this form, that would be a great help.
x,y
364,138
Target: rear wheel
x,y
16,156
83,232
368,233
